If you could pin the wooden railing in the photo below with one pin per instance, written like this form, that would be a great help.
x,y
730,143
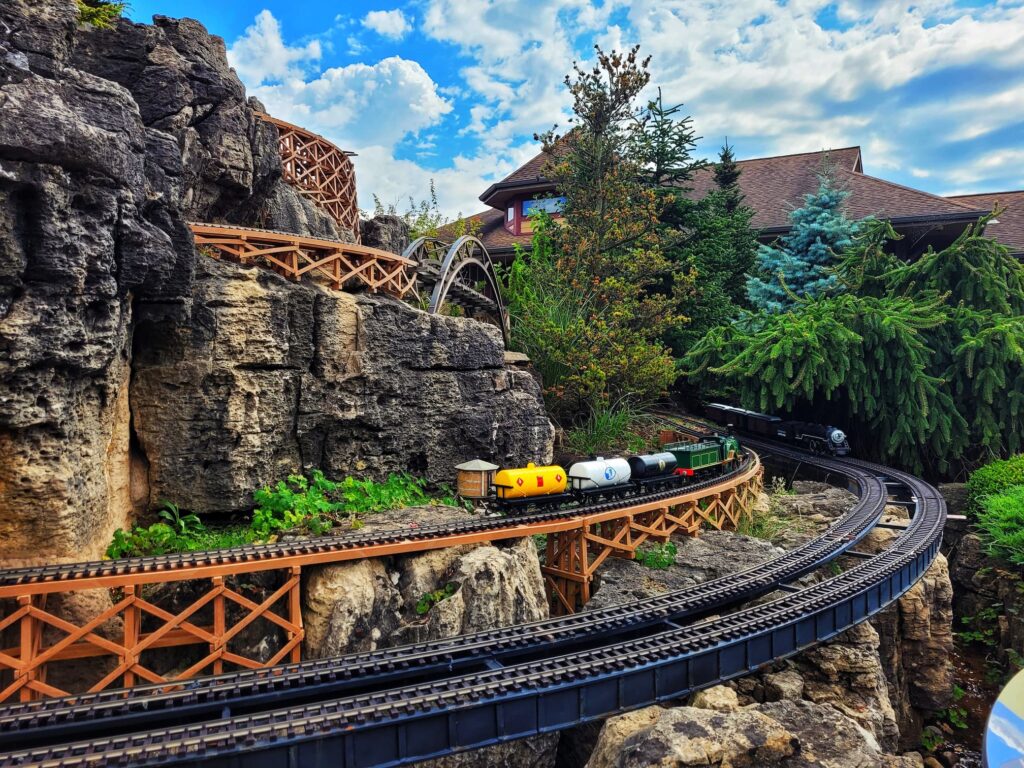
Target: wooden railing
x,y
338,263
320,171
210,609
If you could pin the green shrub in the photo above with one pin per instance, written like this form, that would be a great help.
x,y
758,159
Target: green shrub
x,y
99,13
1001,524
993,478
658,556
430,599
608,427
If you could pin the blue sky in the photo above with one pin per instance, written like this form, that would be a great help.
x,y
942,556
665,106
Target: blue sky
x,y
453,90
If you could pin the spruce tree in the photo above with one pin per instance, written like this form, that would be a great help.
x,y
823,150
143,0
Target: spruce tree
x,y
797,265
727,177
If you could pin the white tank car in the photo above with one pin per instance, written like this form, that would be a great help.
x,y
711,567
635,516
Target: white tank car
x,y
599,473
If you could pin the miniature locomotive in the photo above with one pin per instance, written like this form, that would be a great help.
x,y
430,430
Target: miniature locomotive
x,y
614,478
817,438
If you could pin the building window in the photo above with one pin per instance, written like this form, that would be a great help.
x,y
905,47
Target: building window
x,y
551,205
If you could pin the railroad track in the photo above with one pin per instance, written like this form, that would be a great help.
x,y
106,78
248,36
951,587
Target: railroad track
x,y
110,573
320,713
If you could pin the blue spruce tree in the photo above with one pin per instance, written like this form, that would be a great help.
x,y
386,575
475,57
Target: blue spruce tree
x,y
819,232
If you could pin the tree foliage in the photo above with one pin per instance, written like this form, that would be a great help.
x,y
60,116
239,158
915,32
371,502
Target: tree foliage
x,y
923,363
589,303
99,13
797,265
425,218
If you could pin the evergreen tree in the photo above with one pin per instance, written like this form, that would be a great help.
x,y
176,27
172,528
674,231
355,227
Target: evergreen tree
x,y
922,363
727,177
589,303
797,265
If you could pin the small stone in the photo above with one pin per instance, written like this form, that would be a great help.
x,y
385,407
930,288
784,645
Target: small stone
x,y
931,762
783,686
719,698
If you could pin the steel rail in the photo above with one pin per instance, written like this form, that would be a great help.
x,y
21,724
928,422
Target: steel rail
x,y
804,593
508,645
368,542
415,722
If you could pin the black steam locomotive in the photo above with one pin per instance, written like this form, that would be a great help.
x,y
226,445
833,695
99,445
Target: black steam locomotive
x,y
816,438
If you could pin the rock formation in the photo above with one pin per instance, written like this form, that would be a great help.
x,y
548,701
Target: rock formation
x,y
371,604
133,369
854,701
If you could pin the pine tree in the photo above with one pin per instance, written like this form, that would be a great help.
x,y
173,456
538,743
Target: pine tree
x,y
727,177
922,363
797,265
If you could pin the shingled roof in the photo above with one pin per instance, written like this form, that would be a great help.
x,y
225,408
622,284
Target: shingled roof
x,y
1010,227
775,186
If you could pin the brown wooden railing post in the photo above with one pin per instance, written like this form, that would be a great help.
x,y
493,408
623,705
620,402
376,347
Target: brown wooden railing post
x,y
295,613
219,624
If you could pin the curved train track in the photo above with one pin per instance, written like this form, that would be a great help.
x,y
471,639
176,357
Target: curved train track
x,y
402,704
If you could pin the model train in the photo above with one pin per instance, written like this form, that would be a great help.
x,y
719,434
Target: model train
x,y
600,479
817,438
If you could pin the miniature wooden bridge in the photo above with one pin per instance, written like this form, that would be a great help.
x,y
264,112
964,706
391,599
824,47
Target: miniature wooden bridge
x,y
339,264
319,170
233,595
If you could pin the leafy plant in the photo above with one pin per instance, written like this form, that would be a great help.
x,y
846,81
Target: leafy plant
x,y
931,740
657,556
430,599
182,525
297,502
982,628
993,478
1001,524
608,427
99,13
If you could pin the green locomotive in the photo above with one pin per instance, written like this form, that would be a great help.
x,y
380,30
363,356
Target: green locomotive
x,y
706,456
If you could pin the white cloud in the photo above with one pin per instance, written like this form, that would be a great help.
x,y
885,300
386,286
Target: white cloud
x,y
390,24
260,54
361,104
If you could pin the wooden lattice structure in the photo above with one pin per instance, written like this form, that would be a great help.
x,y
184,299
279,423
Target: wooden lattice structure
x,y
211,613
573,555
320,171
133,628
340,264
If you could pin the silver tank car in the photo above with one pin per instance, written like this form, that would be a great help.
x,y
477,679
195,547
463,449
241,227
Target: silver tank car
x,y
599,473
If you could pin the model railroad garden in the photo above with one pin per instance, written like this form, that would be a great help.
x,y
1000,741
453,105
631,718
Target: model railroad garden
x,y
287,501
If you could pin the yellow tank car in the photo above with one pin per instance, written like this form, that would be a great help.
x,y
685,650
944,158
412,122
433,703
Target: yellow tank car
x,y
529,481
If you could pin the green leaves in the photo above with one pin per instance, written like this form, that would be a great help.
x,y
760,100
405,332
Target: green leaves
x,y
1000,521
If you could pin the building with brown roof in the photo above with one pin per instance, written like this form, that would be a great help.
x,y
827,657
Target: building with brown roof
x,y
772,187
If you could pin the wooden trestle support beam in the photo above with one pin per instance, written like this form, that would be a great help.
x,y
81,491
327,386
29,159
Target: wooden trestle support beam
x,y
574,555
212,622
292,256
133,628
320,171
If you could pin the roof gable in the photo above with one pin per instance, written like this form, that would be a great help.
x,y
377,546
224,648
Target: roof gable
x,y
1010,227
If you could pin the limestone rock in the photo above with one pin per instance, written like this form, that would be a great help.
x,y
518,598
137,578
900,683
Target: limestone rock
x,y
711,555
389,233
348,607
916,642
179,76
786,685
686,736
270,378
80,236
847,673
789,734
719,698
829,739
371,604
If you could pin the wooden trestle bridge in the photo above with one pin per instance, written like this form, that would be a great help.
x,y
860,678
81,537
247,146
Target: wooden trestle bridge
x,y
131,632
434,271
